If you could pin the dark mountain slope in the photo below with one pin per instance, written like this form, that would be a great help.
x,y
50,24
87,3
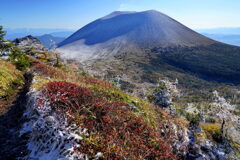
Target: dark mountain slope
x,y
218,62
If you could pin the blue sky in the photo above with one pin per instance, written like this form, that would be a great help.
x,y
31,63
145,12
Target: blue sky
x,y
73,14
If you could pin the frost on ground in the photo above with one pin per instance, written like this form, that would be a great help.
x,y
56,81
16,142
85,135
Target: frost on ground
x,y
50,135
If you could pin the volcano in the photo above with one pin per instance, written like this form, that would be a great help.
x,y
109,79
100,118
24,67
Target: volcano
x,y
149,44
129,31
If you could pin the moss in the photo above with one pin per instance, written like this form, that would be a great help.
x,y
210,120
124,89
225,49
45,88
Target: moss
x,y
213,129
237,146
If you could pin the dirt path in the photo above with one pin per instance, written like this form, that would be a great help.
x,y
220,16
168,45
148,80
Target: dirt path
x,y
11,145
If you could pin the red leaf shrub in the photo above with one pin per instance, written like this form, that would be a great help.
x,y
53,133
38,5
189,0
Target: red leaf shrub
x,y
64,95
48,71
94,81
33,60
113,129
121,135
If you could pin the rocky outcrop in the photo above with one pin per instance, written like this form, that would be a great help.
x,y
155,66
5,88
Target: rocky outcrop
x,y
29,42
33,47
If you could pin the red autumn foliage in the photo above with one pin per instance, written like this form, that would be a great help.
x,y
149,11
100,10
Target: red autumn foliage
x,y
94,81
65,95
114,130
122,135
48,71
33,60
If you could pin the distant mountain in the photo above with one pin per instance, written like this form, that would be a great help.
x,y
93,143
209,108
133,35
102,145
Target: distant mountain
x,y
49,41
22,32
222,31
143,46
229,39
62,34
225,35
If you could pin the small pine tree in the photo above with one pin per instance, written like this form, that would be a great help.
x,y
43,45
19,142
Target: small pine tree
x,y
164,93
2,34
18,58
3,45
15,55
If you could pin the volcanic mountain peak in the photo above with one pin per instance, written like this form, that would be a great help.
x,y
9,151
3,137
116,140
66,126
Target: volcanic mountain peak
x,y
133,32
148,25
116,13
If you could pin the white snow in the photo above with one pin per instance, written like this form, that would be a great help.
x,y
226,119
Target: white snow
x,y
51,136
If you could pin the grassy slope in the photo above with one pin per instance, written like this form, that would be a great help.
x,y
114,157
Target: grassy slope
x,y
138,113
11,80
200,70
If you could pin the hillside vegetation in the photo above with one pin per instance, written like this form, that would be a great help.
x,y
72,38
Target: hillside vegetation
x,y
11,80
65,113
116,124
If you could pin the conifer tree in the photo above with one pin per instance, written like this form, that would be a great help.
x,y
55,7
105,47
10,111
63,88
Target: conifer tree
x,y
2,34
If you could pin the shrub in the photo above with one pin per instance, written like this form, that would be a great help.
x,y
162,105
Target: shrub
x,y
64,95
113,128
194,119
122,135
49,71
164,93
